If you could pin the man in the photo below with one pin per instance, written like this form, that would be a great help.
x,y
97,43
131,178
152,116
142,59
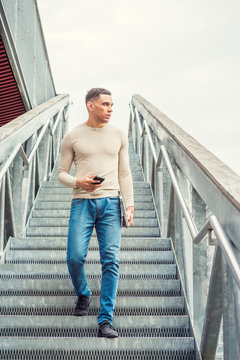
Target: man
x,y
97,149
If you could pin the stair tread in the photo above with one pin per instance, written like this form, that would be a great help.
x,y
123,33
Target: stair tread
x,y
68,197
61,269
91,321
92,255
56,183
61,213
61,243
95,285
63,231
85,344
69,301
63,222
65,205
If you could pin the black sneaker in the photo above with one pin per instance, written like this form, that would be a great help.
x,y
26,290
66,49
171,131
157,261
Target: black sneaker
x,y
82,306
106,330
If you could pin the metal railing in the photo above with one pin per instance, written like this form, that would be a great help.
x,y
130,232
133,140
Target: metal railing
x,y
29,148
184,187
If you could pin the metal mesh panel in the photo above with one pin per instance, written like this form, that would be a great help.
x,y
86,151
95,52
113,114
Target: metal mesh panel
x,y
157,262
88,332
141,293
90,277
95,248
92,311
97,355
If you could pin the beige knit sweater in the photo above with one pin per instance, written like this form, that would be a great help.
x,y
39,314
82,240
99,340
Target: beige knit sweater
x,y
97,151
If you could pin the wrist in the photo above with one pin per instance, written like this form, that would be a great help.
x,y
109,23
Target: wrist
x,y
78,183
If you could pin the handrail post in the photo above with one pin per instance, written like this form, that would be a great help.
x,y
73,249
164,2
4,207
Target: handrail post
x,y
200,265
2,215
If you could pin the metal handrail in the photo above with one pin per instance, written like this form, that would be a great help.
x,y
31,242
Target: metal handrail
x,y
20,144
39,138
9,161
212,222
27,160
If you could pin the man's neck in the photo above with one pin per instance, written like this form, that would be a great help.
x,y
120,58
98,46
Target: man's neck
x,y
95,124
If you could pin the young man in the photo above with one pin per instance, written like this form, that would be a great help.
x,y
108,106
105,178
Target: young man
x,y
97,149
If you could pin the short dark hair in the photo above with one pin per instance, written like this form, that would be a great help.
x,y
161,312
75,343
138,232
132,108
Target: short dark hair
x,y
95,93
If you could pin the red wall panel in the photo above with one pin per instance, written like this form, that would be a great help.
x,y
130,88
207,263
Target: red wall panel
x,y
11,104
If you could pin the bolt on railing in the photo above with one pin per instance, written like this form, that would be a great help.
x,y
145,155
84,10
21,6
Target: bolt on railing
x,y
29,148
177,199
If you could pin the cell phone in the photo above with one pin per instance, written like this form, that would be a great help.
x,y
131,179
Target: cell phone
x,y
100,179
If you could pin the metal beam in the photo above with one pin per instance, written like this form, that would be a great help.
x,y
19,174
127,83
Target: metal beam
x,y
213,313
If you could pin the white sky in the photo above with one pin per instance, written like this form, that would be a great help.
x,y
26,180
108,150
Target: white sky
x,y
181,55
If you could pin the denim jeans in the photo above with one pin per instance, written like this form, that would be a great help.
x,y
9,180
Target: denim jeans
x,y
104,214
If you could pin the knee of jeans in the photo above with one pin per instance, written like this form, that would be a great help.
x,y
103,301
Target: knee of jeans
x,y
110,262
76,258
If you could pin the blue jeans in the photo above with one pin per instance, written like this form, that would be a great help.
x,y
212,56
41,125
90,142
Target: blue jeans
x,y
104,213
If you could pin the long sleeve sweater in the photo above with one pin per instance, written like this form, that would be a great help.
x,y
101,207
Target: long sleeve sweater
x,y
97,151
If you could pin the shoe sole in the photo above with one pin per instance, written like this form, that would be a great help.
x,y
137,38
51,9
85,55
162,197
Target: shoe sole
x,y
80,313
107,336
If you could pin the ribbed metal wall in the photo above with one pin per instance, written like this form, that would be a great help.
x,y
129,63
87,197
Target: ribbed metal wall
x,y
11,104
22,33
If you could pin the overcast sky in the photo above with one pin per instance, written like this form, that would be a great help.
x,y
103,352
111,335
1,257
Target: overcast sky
x,y
181,55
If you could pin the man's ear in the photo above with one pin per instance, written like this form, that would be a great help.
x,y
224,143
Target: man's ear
x,y
90,105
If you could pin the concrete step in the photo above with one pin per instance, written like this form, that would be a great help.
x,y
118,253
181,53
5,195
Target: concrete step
x,y
136,176
65,191
62,231
59,256
60,243
61,270
63,222
65,205
64,286
124,324
56,183
82,348
68,197
64,305
134,165
66,213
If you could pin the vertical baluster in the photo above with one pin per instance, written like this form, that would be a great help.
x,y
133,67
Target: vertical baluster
x,y
186,238
165,190
17,184
213,311
26,186
146,156
2,216
9,212
200,279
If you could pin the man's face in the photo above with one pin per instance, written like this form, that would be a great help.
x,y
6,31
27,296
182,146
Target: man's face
x,y
101,108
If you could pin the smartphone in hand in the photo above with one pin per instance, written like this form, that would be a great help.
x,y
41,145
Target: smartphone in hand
x,y
100,179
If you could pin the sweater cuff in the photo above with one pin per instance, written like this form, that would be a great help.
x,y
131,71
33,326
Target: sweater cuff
x,y
74,180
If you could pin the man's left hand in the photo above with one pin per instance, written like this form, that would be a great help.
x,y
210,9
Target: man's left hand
x,y
130,211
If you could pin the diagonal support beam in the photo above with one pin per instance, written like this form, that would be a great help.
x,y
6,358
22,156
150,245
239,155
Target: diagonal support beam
x,y
213,315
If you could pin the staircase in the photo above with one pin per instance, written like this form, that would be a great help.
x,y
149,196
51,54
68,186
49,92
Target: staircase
x,y
37,296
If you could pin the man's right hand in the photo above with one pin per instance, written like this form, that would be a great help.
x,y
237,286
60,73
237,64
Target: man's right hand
x,y
88,184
